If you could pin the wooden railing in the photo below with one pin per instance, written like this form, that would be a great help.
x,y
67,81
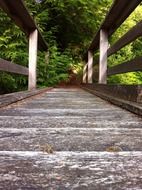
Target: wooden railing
x,y
13,68
17,11
118,13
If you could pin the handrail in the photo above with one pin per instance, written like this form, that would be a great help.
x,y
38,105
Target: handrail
x,y
13,68
18,12
129,37
118,13
129,66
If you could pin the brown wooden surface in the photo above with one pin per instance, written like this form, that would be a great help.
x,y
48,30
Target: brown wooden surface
x,y
13,68
85,74
90,67
17,11
129,66
68,139
8,99
103,57
131,93
127,97
118,13
130,36
33,38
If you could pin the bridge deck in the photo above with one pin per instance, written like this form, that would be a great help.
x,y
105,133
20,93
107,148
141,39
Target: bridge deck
x,y
69,139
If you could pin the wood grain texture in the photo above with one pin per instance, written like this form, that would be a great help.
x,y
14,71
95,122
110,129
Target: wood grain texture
x,y
103,57
96,145
114,19
130,36
119,96
8,99
90,67
129,66
18,12
84,80
13,68
33,38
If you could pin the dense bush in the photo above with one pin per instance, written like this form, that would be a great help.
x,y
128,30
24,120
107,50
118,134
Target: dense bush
x,y
68,27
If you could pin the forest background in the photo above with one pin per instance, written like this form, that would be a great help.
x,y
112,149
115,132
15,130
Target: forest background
x,y
68,27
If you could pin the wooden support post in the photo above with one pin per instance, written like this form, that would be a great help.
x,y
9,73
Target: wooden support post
x,y
103,57
90,67
33,43
85,74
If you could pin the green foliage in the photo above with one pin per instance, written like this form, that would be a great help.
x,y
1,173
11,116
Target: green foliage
x,y
7,83
129,52
68,26
59,66
13,47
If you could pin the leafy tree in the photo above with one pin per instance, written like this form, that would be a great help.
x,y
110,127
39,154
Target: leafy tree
x,y
128,52
68,26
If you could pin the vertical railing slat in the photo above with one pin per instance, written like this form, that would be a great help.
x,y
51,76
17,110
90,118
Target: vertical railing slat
x,y
33,43
103,57
90,67
85,74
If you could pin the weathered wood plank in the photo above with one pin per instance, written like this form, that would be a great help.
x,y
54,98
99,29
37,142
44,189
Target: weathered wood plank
x,y
130,36
8,99
85,74
114,19
13,68
90,67
103,57
71,138
20,15
65,137
70,170
127,97
129,66
131,93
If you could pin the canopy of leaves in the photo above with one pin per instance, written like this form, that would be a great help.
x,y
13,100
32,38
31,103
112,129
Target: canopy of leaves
x,y
68,26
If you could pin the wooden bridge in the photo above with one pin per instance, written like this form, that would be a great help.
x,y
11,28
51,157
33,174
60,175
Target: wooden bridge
x,y
68,138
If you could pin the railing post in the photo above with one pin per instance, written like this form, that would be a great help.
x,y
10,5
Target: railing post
x,y
33,43
103,57
85,74
90,67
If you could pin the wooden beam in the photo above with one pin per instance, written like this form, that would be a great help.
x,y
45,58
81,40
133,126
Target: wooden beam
x,y
114,19
103,57
123,96
129,66
85,74
90,67
130,36
18,12
7,99
33,39
13,68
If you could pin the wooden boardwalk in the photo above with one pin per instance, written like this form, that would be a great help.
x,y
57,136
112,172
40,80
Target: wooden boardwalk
x,y
68,139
